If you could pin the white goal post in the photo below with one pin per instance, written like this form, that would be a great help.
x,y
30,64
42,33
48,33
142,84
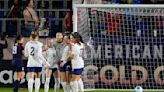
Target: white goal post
x,y
125,45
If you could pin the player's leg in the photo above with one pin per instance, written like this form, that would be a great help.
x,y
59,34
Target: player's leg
x,y
75,84
48,76
68,76
80,85
63,78
31,73
79,80
37,78
20,75
56,76
68,72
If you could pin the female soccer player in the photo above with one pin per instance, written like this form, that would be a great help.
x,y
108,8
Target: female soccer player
x,y
33,50
17,62
53,69
77,62
65,65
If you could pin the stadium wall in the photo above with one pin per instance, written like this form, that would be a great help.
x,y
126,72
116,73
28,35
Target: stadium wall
x,y
119,75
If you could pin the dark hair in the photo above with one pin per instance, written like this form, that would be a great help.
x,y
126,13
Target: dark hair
x,y
27,2
18,38
67,36
34,35
77,37
81,39
11,2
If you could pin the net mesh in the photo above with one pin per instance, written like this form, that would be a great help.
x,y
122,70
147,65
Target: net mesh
x,y
124,47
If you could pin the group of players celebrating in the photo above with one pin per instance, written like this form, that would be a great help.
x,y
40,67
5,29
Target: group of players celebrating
x,y
62,57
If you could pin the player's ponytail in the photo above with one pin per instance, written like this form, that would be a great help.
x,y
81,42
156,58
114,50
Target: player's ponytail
x,y
34,35
81,39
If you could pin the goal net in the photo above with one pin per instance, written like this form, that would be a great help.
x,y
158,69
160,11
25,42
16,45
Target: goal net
x,y
124,45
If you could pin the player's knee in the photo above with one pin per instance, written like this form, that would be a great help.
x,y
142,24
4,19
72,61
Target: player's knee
x,y
78,78
38,75
31,75
22,75
63,78
73,79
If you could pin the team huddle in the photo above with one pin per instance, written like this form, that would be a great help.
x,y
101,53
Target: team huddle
x,y
62,58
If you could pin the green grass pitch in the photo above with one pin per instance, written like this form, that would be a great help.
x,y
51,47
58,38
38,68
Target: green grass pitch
x,y
51,90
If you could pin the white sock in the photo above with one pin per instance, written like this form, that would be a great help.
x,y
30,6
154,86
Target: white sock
x,y
68,87
37,84
74,86
64,84
80,85
57,84
46,85
30,84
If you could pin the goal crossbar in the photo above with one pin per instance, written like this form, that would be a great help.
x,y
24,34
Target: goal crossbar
x,y
118,6
75,6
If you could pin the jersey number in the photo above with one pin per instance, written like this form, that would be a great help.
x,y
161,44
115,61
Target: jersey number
x,y
32,51
14,49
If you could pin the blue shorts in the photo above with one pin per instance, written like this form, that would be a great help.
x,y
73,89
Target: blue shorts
x,y
18,65
18,68
54,69
66,67
69,66
34,69
77,71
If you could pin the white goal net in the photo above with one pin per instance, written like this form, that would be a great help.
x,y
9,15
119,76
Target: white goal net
x,y
124,45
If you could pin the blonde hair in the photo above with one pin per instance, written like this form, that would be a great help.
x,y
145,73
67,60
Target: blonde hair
x,y
34,36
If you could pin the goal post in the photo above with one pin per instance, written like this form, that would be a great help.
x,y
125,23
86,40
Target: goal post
x,y
125,45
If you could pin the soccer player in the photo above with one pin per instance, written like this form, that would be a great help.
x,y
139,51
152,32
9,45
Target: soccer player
x,y
17,62
59,46
33,50
77,62
65,65
53,69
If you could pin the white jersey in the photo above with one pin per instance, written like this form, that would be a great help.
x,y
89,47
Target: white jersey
x,y
33,49
78,52
65,53
51,57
